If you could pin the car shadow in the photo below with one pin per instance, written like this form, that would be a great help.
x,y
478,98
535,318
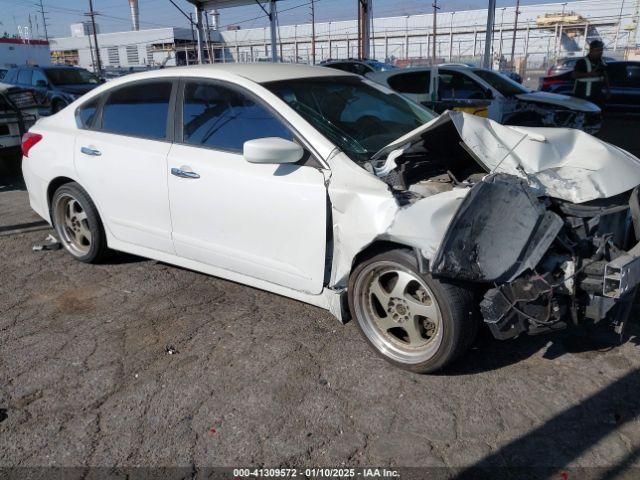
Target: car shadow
x,y
488,354
9,183
550,449
122,258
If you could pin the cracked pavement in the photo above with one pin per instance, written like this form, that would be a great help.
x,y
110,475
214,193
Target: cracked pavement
x,y
262,380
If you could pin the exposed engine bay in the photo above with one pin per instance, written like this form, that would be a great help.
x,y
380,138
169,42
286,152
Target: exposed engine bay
x,y
539,262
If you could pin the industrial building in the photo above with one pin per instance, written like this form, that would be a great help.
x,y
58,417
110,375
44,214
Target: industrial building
x,y
18,51
136,48
542,32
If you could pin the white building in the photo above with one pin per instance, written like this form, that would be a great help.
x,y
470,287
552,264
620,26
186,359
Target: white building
x,y
140,48
16,51
83,28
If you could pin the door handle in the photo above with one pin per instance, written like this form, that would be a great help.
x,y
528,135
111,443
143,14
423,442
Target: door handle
x,y
178,172
94,152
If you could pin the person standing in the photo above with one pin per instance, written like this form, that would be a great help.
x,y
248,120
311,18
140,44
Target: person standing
x,y
591,80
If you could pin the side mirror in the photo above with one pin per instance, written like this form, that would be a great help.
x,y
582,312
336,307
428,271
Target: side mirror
x,y
488,94
42,83
272,150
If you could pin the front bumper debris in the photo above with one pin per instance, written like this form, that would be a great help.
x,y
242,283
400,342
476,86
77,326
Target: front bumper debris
x,y
545,264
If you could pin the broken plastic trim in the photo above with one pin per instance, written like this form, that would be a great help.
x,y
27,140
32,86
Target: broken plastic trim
x,y
500,230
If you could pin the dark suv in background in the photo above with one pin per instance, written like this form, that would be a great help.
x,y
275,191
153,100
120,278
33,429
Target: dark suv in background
x,y
56,86
624,79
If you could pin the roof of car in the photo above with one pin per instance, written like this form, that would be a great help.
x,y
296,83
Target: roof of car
x,y
256,72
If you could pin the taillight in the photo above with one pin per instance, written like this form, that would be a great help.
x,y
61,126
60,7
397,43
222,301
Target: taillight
x,y
29,139
547,82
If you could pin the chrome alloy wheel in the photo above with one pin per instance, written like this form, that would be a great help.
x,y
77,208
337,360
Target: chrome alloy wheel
x,y
72,225
398,312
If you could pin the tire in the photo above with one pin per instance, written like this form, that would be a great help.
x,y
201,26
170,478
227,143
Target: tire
x,y
77,223
387,317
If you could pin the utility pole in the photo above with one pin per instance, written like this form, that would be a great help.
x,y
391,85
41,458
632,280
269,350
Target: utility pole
x,y
515,30
451,36
92,14
435,30
364,30
491,16
44,21
313,32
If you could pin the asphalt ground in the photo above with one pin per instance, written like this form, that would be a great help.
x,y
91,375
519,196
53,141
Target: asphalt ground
x,y
135,363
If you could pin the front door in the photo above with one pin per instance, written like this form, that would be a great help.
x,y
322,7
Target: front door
x,y
121,158
265,221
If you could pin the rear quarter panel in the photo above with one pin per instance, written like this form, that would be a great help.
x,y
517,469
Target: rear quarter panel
x,y
50,158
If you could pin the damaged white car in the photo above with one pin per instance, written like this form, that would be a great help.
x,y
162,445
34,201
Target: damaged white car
x,y
327,188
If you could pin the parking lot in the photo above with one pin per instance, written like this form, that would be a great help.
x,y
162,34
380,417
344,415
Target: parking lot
x,y
138,363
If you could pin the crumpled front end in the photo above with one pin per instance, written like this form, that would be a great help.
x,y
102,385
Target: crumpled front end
x,y
542,263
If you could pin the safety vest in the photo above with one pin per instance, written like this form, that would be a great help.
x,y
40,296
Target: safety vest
x,y
588,81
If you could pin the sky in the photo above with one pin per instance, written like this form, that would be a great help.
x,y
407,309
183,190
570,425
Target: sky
x,y
114,14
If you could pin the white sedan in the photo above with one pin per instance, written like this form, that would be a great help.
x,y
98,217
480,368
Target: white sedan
x,y
327,188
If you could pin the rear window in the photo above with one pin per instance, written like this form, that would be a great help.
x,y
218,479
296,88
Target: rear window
x,y
10,77
138,110
86,113
71,76
414,82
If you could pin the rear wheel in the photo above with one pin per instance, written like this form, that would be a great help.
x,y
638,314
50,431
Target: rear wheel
x,y
78,224
411,319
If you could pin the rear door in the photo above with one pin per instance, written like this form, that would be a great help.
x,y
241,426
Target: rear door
x,y
121,158
265,221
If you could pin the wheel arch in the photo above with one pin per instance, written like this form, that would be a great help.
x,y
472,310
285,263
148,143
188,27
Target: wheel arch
x,y
379,246
59,181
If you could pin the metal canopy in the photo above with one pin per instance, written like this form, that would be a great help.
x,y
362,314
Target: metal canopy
x,y
218,4
202,5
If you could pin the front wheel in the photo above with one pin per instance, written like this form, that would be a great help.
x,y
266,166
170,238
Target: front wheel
x,y
414,321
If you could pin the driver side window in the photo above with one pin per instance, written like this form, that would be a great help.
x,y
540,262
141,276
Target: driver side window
x,y
457,86
222,118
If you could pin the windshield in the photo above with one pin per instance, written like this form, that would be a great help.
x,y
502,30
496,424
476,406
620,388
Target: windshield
x,y
504,85
70,76
357,116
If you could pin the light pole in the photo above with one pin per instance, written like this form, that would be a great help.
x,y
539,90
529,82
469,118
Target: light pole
x,y
491,16
515,30
451,36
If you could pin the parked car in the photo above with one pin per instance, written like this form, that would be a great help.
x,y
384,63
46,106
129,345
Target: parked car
x,y
360,67
624,79
567,64
490,94
327,188
56,86
18,112
507,73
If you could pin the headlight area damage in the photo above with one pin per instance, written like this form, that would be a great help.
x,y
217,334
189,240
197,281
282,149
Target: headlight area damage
x,y
542,222
549,262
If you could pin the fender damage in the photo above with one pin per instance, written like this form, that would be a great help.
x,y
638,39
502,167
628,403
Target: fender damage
x,y
533,218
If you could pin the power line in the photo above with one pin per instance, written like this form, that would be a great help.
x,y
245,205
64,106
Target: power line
x,y
44,21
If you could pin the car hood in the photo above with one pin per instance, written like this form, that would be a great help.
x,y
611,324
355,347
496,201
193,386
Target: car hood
x,y
559,100
557,162
77,89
